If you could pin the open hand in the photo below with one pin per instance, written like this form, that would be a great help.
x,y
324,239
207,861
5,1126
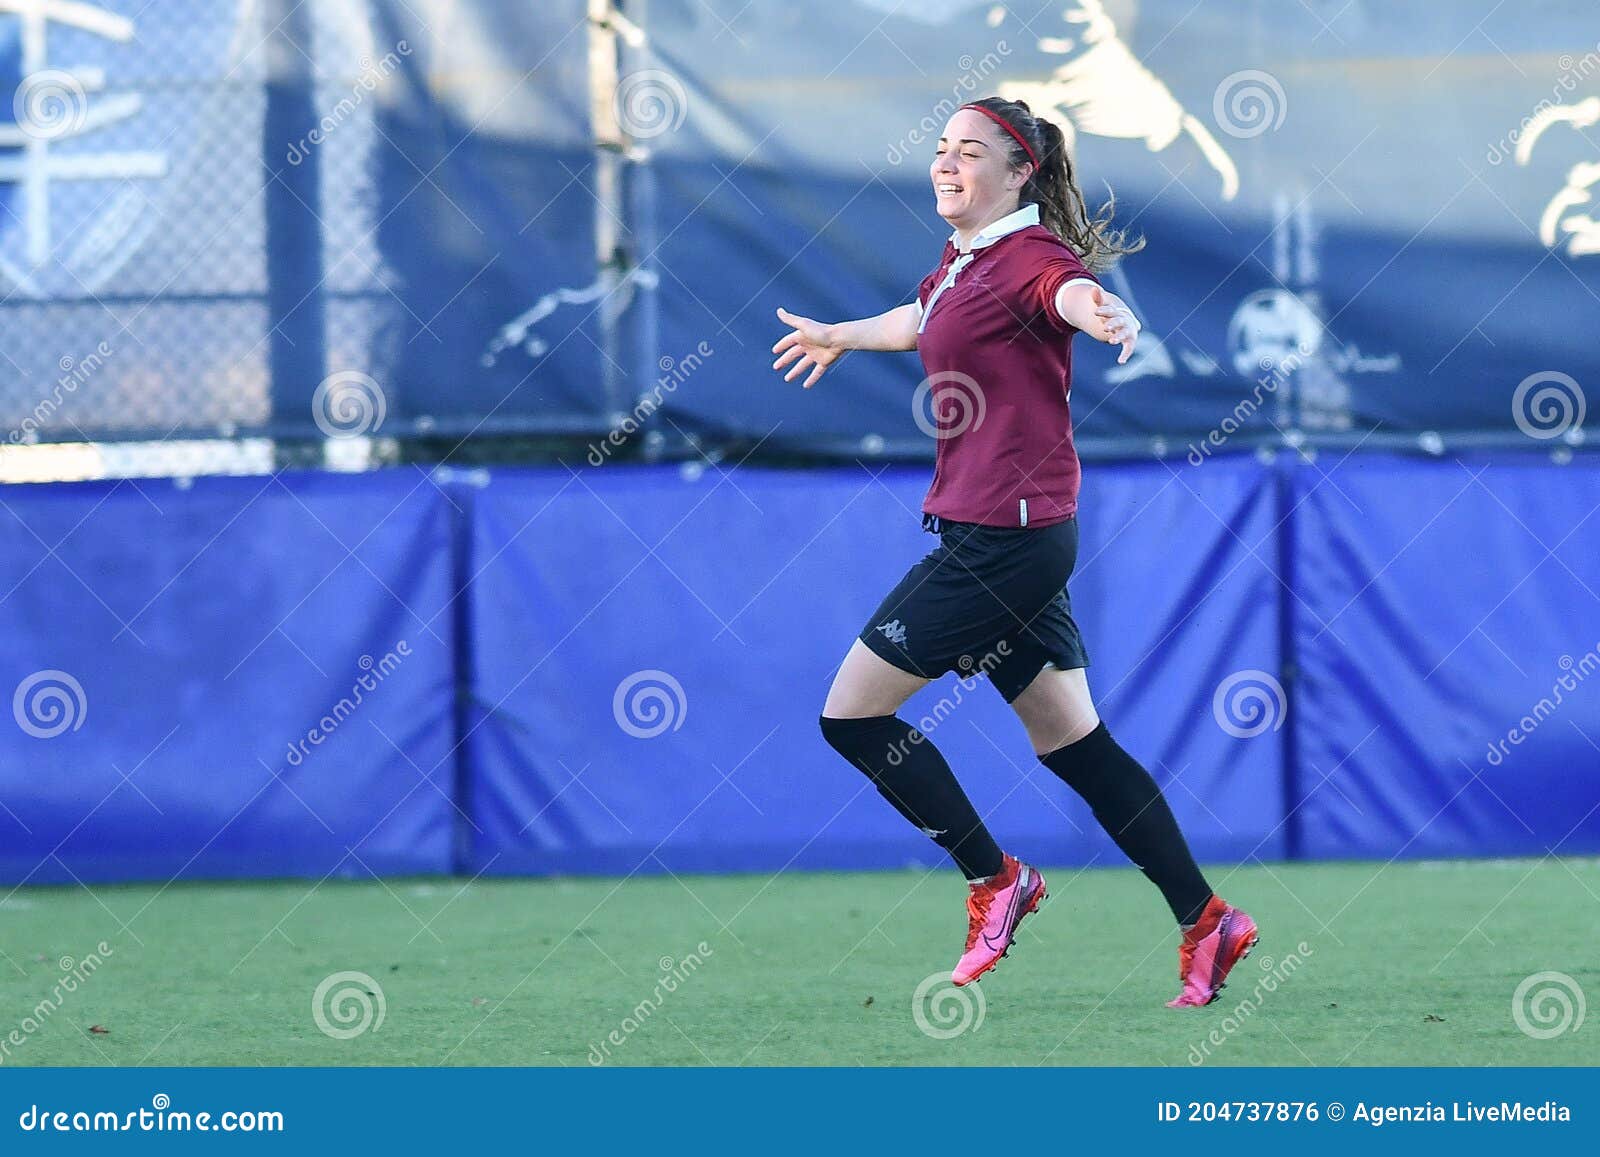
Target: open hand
x,y
809,345
1114,323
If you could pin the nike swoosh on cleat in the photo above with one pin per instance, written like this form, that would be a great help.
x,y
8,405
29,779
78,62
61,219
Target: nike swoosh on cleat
x,y
1011,910
1219,963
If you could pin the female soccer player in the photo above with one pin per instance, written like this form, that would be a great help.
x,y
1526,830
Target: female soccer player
x,y
994,325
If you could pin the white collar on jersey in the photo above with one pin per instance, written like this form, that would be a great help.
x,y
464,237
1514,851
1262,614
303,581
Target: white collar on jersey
x,y
992,232
988,235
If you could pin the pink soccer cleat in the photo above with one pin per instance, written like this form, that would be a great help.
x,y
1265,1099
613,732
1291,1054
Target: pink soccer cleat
x,y
994,909
1222,937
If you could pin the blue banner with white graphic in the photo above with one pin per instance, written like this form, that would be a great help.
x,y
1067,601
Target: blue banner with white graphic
x,y
1364,223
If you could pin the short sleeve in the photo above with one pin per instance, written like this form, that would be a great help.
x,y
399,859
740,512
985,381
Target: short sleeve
x,y
1057,266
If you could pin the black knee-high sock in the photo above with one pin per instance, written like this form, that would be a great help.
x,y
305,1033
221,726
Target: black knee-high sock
x,y
909,772
1129,805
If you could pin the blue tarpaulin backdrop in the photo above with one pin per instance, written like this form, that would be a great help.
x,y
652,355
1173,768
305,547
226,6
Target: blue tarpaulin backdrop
x,y
747,592
1340,183
437,194
620,669
192,637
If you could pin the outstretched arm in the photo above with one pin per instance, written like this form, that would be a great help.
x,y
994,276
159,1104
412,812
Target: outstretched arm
x,y
1103,316
815,345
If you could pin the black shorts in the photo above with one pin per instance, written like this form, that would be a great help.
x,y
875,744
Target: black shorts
x,y
989,600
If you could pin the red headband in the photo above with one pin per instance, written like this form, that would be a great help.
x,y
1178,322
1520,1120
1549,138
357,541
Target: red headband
x,y
1005,124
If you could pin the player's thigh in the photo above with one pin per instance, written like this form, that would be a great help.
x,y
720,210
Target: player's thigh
x,y
1056,709
868,685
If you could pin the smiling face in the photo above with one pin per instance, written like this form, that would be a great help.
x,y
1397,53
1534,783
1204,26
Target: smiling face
x,y
973,181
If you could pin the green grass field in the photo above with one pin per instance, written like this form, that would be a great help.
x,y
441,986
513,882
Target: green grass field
x,y
1404,964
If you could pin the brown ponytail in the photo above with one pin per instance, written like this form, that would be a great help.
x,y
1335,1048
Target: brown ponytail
x,y
1054,188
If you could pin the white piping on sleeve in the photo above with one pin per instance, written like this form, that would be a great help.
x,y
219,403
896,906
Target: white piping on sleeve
x,y
1060,300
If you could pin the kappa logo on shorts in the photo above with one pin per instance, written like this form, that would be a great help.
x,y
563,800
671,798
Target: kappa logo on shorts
x,y
894,632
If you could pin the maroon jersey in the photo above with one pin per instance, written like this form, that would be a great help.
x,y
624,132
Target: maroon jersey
x,y
999,362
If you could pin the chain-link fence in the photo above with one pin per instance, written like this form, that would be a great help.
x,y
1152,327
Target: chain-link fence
x,y
238,234
170,245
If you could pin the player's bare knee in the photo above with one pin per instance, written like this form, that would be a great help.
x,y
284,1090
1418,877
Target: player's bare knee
x,y
1056,710
1059,733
